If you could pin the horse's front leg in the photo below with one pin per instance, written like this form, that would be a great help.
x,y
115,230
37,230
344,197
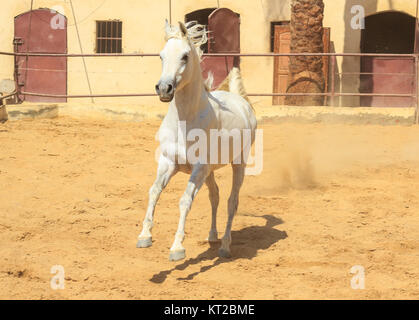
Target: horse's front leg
x,y
166,169
198,176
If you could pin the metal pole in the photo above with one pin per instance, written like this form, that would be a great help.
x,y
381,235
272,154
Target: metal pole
x,y
81,50
401,95
170,11
97,55
416,48
89,96
416,28
27,50
417,88
332,99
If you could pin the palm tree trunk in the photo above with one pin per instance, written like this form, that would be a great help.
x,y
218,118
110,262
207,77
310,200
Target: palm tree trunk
x,y
306,73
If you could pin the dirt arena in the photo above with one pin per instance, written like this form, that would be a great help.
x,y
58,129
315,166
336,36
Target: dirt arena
x,y
74,193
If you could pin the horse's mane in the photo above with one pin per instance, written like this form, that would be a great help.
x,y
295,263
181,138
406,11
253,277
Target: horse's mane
x,y
197,35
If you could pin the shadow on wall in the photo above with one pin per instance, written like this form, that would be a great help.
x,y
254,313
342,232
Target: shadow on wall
x,y
274,11
352,42
335,101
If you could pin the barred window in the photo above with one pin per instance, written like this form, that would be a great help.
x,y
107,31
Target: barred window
x,y
109,36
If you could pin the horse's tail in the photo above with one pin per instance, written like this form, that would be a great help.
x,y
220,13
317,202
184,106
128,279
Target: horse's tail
x,y
234,84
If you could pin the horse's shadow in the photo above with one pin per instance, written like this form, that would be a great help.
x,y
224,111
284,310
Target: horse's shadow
x,y
245,245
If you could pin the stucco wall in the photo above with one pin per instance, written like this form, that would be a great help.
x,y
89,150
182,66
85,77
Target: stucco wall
x,y
143,22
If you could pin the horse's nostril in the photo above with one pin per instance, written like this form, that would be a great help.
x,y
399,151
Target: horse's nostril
x,y
169,88
157,88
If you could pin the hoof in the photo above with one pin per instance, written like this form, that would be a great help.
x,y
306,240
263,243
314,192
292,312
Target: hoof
x,y
144,243
177,255
223,253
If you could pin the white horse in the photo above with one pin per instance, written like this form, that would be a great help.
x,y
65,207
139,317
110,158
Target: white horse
x,y
192,103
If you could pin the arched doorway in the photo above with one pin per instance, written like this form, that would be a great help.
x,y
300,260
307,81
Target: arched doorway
x,y
200,16
41,31
224,37
388,32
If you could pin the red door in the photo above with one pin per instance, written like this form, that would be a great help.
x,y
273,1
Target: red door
x,y
389,75
37,31
224,37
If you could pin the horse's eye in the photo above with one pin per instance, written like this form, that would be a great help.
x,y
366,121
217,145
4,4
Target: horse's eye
x,y
185,58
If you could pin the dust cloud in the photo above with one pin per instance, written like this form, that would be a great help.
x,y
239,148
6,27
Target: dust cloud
x,y
309,156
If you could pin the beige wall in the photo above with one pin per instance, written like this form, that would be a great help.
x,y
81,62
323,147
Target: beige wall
x,y
143,22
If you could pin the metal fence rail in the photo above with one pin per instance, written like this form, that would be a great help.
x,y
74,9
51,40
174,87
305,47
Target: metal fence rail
x,y
332,93
95,55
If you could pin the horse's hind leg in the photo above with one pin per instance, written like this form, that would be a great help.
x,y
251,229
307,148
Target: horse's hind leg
x,y
165,171
214,199
233,202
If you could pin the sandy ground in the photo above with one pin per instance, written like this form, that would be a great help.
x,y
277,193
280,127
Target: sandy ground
x,y
74,192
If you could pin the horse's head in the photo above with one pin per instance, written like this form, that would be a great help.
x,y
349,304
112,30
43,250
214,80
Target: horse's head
x,y
179,61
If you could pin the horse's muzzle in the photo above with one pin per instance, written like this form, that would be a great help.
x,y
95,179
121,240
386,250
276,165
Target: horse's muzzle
x,y
165,90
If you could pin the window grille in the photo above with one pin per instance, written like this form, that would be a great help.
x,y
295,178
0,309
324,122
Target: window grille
x,y
109,36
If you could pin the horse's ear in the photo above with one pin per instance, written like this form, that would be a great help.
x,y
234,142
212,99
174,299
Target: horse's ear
x,y
166,26
183,29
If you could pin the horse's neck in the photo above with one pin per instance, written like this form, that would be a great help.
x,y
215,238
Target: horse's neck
x,y
191,99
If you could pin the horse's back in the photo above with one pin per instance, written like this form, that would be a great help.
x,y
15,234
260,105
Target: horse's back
x,y
233,111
